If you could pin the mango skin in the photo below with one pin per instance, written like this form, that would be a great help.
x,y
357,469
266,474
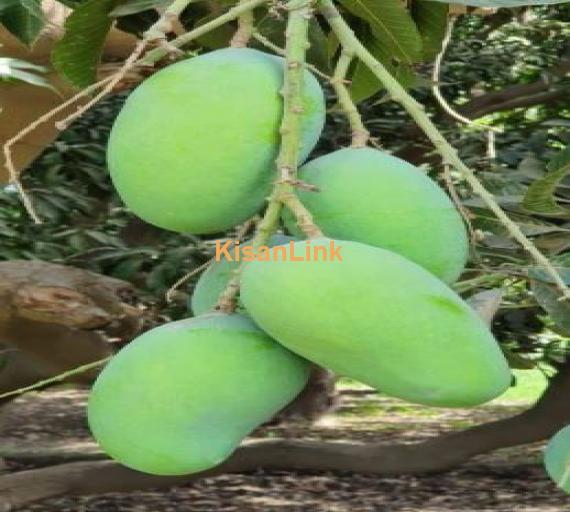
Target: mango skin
x,y
557,459
193,149
215,278
372,197
381,319
181,397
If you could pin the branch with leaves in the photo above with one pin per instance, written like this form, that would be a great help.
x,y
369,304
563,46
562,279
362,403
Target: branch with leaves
x,y
449,154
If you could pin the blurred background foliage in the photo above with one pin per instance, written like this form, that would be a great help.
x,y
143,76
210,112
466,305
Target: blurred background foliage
x,y
509,70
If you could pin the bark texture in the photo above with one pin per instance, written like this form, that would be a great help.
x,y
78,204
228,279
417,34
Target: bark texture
x,y
446,452
54,318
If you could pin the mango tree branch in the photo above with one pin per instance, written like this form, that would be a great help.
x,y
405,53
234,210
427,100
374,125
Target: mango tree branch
x,y
449,154
57,378
158,53
296,37
360,134
244,31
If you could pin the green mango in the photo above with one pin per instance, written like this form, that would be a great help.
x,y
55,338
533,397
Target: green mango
x,y
215,278
378,318
193,149
369,196
557,459
181,397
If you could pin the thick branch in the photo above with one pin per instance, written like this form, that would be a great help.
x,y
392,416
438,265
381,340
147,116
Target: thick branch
x,y
443,453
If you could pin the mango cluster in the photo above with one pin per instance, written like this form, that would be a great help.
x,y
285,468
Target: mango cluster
x,y
193,151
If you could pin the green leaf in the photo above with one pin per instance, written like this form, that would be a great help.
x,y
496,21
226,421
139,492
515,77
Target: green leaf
x,y
6,4
24,20
502,3
78,53
364,82
274,29
548,296
540,196
134,6
392,26
560,263
72,3
16,69
431,19
219,37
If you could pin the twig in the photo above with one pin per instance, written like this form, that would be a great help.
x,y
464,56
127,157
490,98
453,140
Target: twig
x,y
57,378
7,147
115,79
449,154
436,90
233,13
436,79
458,204
360,134
244,31
169,295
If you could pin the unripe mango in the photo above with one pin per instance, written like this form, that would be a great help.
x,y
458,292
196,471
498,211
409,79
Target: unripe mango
x,y
369,196
194,147
557,459
378,318
216,277
181,397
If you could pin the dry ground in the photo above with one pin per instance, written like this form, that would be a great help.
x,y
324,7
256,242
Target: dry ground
x,y
506,481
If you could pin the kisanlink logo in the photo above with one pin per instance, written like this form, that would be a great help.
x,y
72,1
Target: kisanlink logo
x,y
231,251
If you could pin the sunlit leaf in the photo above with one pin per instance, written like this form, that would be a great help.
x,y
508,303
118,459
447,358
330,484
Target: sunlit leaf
x,y
17,69
392,26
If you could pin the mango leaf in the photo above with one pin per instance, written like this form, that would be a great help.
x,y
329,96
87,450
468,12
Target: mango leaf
x,y
318,53
539,197
77,54
25,20
7,4
217,38
548,295
72,3
364,82
560,263
16,69
134,6
502,3
392,26
431,20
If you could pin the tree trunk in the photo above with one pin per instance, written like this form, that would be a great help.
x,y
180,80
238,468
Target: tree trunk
x,y
448,451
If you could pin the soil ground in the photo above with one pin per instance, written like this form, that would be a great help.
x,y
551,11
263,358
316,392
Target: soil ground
x,y
507,480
